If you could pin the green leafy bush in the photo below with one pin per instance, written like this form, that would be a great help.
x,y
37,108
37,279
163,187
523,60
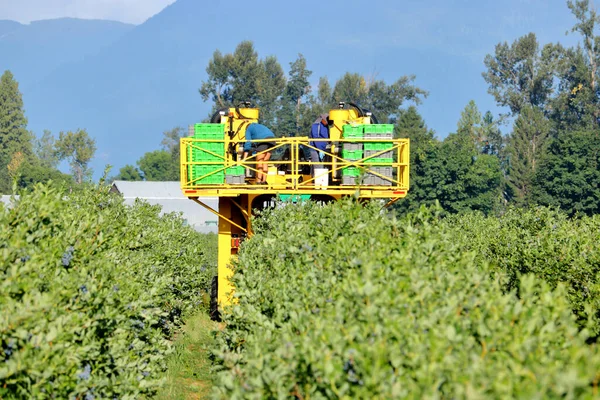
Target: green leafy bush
x,y
90,291
342,301
542,242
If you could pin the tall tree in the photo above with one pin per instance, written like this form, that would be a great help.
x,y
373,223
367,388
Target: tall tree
x,y
493,139
128,173
521,75
78,148
470,125
45,150
14,136
577,105
587,18
232,78
294,98
324,94
271,86
569,174
423,153
242,76
526,146
375,95
157,166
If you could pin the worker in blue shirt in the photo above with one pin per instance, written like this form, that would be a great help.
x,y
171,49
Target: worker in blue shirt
x,y
256,131
319,130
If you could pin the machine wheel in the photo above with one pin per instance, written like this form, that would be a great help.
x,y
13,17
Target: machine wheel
x,y
214,305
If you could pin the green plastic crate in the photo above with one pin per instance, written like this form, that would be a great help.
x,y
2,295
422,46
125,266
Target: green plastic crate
x,y
239,170
382,161
352,155
379,146
209,131
199,155
215,178
379,128
350,171
352,131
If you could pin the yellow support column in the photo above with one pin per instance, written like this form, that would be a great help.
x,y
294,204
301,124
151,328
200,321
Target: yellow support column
x,y
224,272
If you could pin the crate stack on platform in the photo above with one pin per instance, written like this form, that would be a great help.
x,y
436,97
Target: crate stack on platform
x,y
377,140
235,175
374,139
352,151
203,153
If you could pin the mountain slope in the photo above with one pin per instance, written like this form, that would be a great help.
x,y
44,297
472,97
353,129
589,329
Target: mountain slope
x,y
7,26
32,51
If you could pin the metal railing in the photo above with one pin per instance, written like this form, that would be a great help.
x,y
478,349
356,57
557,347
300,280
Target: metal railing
x,y
290,167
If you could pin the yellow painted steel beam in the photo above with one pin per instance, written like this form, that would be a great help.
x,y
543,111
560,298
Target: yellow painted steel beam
x,y
217,213
224,272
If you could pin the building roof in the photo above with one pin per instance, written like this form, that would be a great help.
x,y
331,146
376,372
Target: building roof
x,y
149,190
170,197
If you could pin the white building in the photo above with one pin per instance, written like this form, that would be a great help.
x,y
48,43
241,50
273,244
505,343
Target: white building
x,y
170,197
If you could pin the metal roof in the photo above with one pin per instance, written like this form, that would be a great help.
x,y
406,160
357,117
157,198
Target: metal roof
x,y
149,190
170,197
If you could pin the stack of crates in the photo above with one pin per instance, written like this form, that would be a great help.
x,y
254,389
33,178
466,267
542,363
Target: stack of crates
x,y
235,175
377,140
204,152
352,151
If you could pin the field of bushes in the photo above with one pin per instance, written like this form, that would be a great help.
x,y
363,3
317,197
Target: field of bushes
x,y
345,301
91,292
334,301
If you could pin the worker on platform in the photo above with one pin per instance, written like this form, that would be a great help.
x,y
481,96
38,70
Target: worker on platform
x,y
256,131
319,130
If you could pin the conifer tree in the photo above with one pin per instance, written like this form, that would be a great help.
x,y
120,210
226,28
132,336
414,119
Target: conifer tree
x,y
14,137
526,147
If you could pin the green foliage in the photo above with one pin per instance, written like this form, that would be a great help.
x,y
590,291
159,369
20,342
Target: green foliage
x,y
128,173
541,242
527,145
521,75
346,302
45,150
14,137
272,84
91,290
157,166
451,172
569,175
37,171
375,95
241,76
293,105
78,148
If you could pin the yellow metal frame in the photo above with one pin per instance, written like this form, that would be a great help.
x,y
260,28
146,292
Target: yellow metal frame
x,y
236,200
296,183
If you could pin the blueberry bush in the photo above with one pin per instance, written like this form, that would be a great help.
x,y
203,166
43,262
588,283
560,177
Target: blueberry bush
x,y
344,301
91,291
542,242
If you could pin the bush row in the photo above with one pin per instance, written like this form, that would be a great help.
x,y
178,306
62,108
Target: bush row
x,y
542,242
342,301
90,291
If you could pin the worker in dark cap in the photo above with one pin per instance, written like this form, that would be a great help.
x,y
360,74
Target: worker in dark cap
x,y
319,130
